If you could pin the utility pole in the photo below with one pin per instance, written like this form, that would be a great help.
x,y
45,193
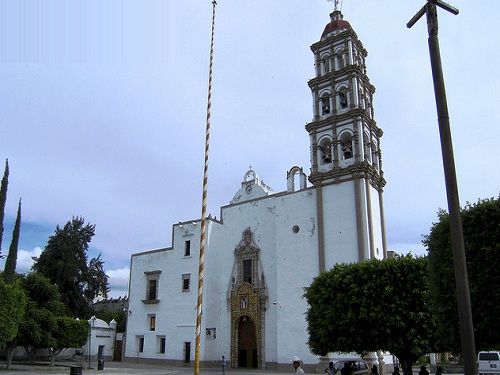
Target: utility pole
x,y
201,267
457,238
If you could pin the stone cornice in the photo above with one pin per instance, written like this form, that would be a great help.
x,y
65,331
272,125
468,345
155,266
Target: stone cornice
x,y
352,113
327,78
357,170
334,38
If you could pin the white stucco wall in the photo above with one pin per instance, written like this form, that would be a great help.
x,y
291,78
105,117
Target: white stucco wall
x,y
289,262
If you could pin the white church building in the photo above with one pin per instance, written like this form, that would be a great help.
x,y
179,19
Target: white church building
x,y
266,246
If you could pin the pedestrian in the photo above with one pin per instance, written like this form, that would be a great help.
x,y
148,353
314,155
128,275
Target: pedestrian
x,y
296,365
396,371
330,370
347,369
439,370
374,370
223,364
423,371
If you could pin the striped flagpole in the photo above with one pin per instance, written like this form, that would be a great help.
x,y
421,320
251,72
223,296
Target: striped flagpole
x,y
201,267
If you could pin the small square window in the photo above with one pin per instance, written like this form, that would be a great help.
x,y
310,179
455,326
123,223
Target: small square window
x,y
152,322
186,278
187,248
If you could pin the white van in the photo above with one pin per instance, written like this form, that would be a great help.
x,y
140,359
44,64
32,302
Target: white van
x,y
488,363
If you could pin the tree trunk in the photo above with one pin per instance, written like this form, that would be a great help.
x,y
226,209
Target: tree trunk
x,y
53,354
407,366
10,354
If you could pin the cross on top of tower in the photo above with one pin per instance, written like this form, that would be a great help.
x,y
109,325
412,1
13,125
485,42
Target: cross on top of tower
x,y
338,4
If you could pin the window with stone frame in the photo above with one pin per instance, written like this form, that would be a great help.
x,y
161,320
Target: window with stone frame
x,y
247,270
186,282
152,322
152,283
152,289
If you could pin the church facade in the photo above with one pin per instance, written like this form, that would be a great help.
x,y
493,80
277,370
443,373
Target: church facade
x,y
266,247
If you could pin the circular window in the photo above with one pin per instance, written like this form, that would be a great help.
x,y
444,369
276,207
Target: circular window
x,y
295,229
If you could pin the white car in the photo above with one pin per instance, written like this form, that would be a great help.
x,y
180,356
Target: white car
x,y
358,365
488,363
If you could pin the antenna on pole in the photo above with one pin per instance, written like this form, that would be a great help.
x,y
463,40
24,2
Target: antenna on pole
x,y
201,267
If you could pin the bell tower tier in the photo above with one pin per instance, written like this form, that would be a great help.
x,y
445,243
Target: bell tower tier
x,y
345,139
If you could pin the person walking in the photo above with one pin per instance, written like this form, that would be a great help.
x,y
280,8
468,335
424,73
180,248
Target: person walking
x,y
223,364
296,366
374,370
330,370
396,371
423,371
439,370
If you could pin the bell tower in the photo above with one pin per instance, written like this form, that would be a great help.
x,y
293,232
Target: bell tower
x,y
345,140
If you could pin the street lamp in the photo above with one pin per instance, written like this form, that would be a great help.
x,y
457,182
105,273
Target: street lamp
x,y
91,327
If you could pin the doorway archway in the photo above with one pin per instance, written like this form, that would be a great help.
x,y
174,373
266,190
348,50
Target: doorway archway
x,y
247,343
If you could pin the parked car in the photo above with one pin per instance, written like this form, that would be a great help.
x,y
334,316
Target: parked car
x,y
488,363
358,365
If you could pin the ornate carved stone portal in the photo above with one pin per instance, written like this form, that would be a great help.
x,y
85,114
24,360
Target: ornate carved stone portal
x,y
248,297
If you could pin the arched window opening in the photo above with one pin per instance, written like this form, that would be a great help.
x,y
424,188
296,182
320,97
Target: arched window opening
x,y
343,103
340,61
366,147
325,63
325,104
346,146
375,154
325,148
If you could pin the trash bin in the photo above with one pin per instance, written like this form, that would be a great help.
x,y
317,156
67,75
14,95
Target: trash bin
x,y
100,364
75,370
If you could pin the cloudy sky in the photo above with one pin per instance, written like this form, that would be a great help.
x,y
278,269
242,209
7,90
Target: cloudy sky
x,y
102,111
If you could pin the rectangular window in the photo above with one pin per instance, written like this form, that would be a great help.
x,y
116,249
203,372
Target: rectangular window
x,y
187,352
152,322
247,271
140,344
186,278
161,344
187,248
152,289
152,279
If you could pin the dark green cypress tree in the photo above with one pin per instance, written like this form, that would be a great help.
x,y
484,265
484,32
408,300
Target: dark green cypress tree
x,y
3,199
10,263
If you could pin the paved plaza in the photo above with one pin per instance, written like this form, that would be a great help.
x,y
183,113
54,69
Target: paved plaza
x,y
128,368
124,368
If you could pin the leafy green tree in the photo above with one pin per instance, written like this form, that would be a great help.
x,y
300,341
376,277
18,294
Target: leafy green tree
x,y
119,316
43,309
12,309
64,262
70,333
3,199
372,305
10,263
481,228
